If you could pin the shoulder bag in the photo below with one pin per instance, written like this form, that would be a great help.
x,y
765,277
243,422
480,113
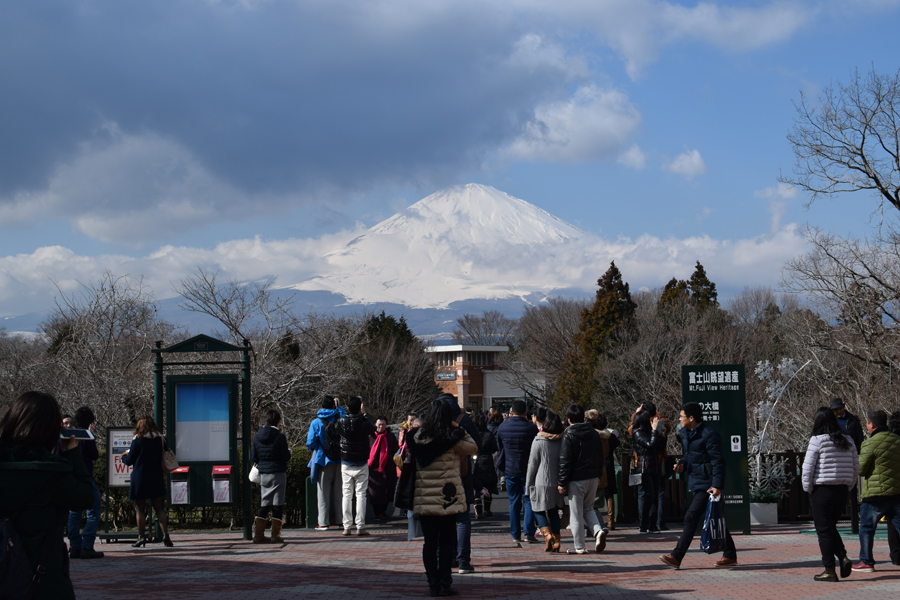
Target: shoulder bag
x,y
169,460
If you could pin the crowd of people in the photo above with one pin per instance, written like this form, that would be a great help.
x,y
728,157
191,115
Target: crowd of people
x,y
558,471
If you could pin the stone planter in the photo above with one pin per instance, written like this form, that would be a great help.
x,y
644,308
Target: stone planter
x,y
763,513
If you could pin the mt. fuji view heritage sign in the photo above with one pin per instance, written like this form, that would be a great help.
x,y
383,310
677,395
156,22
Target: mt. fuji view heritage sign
x,y
721,391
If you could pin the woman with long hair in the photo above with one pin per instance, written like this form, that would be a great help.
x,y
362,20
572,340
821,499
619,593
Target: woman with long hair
x,y
649,439
439,496
147,478
541,479
830,470
39,489
271,453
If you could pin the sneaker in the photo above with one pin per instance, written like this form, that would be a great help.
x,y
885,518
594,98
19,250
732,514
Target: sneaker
x,y
643,531
663,528
655,531
517,542
574,551
600,544
90,553
668,559
466,567
362,532
74,552
725,562
862,567
531,539
347,532
322,528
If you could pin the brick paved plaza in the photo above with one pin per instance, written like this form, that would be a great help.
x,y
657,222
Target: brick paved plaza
x,y
777,562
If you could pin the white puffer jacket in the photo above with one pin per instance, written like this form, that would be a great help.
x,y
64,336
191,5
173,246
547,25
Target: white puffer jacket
x,y
826,464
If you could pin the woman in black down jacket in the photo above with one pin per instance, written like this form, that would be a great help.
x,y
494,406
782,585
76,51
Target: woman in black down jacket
x,y
147,479
648,441
270,452
484,471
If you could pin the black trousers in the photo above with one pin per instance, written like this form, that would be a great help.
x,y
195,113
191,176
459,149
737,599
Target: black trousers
x,y
893,542
439,549
828,502
694,514
854,510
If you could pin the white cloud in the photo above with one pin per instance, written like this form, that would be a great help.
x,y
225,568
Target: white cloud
x,y
779,197
633,157
689,164
592,124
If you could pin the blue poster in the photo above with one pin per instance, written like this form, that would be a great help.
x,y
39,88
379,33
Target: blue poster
x,y
202,421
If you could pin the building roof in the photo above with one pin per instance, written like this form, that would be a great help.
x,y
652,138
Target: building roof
x,y
465,348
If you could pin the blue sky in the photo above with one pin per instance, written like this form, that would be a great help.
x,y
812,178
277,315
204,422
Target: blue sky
x,y
140,137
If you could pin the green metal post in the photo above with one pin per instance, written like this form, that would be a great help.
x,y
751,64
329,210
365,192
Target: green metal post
x,y
312,504
157,415
246,489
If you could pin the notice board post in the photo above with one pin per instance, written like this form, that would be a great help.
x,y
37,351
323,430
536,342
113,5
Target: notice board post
x,y
721,391
201,416
118,474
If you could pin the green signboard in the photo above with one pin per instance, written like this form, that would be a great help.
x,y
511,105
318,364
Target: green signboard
x,y
721,391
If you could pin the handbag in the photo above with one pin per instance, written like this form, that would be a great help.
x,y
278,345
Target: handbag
x,y
399,455
712,540
254,474
635,479
406,486
169,460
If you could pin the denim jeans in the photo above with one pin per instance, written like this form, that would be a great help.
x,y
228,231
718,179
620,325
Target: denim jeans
x,y
85,539
549,519
464,535
870,512
515,487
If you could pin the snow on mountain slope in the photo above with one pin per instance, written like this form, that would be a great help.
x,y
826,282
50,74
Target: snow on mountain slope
x,y
469,241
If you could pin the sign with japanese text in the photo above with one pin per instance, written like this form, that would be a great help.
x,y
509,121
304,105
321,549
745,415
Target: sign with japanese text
x,y
721,391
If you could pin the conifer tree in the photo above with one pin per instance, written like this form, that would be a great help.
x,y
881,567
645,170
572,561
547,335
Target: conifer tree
x,y
612,309
703,291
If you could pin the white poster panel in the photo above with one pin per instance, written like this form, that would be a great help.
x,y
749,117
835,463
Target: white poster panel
x,y
180,492
118,474
221,490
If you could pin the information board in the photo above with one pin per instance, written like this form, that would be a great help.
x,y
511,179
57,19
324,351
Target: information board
x,y
721,391
118,441
201,422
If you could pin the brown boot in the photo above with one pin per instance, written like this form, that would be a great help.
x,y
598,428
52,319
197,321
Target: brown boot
x,y
545,531
487,506
276,531
479,508
611,512
259,531
555,547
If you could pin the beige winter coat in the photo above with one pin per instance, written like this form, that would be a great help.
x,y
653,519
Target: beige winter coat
x,y
439,489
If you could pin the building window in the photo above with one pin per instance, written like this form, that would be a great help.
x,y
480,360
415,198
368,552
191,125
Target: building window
x,y
445,359
481,359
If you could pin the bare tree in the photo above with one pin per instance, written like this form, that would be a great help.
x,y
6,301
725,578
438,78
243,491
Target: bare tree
x,y
492,328
849,140
21,361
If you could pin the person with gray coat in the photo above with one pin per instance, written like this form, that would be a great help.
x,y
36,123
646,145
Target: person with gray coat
x,y
830,470
541,478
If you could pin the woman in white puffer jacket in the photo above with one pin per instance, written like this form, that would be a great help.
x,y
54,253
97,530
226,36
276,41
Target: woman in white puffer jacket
x,y
830,470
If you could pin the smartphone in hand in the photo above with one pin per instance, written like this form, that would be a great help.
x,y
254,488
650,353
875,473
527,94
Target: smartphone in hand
x,y
80,434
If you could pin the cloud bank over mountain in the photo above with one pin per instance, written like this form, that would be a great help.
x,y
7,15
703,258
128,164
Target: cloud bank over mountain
x,y
465,242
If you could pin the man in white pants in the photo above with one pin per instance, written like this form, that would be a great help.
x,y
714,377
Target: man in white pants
x,y
580,467
355,430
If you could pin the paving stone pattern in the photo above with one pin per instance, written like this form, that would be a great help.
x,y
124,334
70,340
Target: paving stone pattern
x,y
774,563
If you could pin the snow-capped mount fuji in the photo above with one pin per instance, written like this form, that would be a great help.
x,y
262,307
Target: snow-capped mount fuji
x,y
465,242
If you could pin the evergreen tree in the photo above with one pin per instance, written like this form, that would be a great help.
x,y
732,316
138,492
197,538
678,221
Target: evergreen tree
x,y
703,291
675,293
386,327
612,309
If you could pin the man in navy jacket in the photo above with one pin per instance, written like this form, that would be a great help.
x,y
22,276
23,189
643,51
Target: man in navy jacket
x,y
514,438
705,466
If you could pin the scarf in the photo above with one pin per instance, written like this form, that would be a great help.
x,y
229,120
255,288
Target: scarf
x,y
379,452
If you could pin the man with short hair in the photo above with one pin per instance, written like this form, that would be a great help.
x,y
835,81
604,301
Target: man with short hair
x,y
705,466
514,437
850,425
81,541
879,466
326,472
355,430
580,467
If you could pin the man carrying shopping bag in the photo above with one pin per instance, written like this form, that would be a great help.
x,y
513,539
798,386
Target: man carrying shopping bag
x,y
705,466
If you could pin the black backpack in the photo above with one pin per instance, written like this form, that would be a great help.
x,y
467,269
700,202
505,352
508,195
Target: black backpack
x,y
17,579
332,436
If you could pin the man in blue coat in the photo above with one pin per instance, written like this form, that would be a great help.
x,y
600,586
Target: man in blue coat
x,y
326,472
705,466
514,438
